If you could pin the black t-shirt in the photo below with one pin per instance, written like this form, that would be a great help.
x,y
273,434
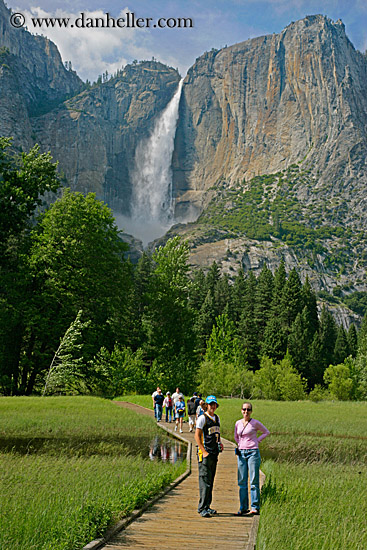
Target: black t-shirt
x,y
159,399
211,433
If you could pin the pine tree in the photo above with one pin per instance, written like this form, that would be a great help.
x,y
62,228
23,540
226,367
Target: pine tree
x,y
328,333
274,343
238,292
352,340
65,371
361,361
362,334
264,294
280,279
222,294
198,290
315,373
299,341
139,301
204,322
310,301
292,299
247,328
212,278
341,348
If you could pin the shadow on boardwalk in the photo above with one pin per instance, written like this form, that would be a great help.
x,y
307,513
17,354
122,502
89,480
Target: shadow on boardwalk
x,y
173,522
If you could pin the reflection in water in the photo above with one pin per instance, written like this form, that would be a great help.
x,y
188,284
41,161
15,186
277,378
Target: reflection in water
x,y
162,447
167,450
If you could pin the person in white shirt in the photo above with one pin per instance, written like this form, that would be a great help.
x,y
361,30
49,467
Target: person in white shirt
x,y
153,396
175,398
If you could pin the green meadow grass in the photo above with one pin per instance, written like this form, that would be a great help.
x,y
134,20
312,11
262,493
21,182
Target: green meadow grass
x,y
315,493
313,507
75,477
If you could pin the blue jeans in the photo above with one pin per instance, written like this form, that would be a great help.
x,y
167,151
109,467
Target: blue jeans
x,y
158,412
249,464
168,414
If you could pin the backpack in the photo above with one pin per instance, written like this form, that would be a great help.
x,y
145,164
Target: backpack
x,y
191,407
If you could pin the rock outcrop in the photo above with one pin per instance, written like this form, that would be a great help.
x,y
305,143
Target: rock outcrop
x,y
33,79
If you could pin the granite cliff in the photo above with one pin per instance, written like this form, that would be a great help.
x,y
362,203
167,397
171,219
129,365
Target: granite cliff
x,y
33,79
259,106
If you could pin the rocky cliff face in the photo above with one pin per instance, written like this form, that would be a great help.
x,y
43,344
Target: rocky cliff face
x,y
261,105
33,79
94,135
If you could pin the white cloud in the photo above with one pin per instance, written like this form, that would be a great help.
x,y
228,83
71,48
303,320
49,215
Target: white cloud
x,y
92,51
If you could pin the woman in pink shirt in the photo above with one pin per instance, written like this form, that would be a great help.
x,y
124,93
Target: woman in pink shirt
x,y
248,459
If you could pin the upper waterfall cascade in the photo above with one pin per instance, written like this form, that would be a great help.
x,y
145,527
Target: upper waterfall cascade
x,y
152,208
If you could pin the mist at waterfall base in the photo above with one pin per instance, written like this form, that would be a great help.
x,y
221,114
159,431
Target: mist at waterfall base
x,y
152,207
146,231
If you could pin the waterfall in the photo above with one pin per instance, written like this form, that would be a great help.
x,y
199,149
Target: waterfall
x,y
152,206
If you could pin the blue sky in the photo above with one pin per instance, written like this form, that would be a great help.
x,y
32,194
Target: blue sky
x,y
216,23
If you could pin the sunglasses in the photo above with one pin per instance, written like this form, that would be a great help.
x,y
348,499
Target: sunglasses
x,y
243,410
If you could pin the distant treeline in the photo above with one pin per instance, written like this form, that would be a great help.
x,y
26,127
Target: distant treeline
x,y
77,317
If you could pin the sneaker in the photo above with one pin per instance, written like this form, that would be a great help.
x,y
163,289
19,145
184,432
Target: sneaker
x,y
254,512
175,428
242,512
205,514
181,431
211,511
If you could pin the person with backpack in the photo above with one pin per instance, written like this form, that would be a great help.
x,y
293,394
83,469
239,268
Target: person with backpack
x,y
158,405
191,412
168,404
153,396
179,412
207,437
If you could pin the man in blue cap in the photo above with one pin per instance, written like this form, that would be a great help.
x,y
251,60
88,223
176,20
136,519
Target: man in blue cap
x,y
207,437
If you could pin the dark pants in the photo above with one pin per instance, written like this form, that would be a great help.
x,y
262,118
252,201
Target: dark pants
x,y
207,469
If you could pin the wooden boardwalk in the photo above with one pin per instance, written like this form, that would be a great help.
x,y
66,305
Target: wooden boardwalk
x,y
173,520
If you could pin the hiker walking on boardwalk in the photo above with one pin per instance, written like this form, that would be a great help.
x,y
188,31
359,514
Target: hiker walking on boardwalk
x,y
248,459
168,404
153,396
191,412
207,437
158,405
175,398
179,412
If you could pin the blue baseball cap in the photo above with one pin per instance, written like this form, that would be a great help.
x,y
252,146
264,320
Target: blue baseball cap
x,y
211,399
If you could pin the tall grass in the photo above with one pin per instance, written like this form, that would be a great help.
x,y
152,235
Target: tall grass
x,y
313,507
62,493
